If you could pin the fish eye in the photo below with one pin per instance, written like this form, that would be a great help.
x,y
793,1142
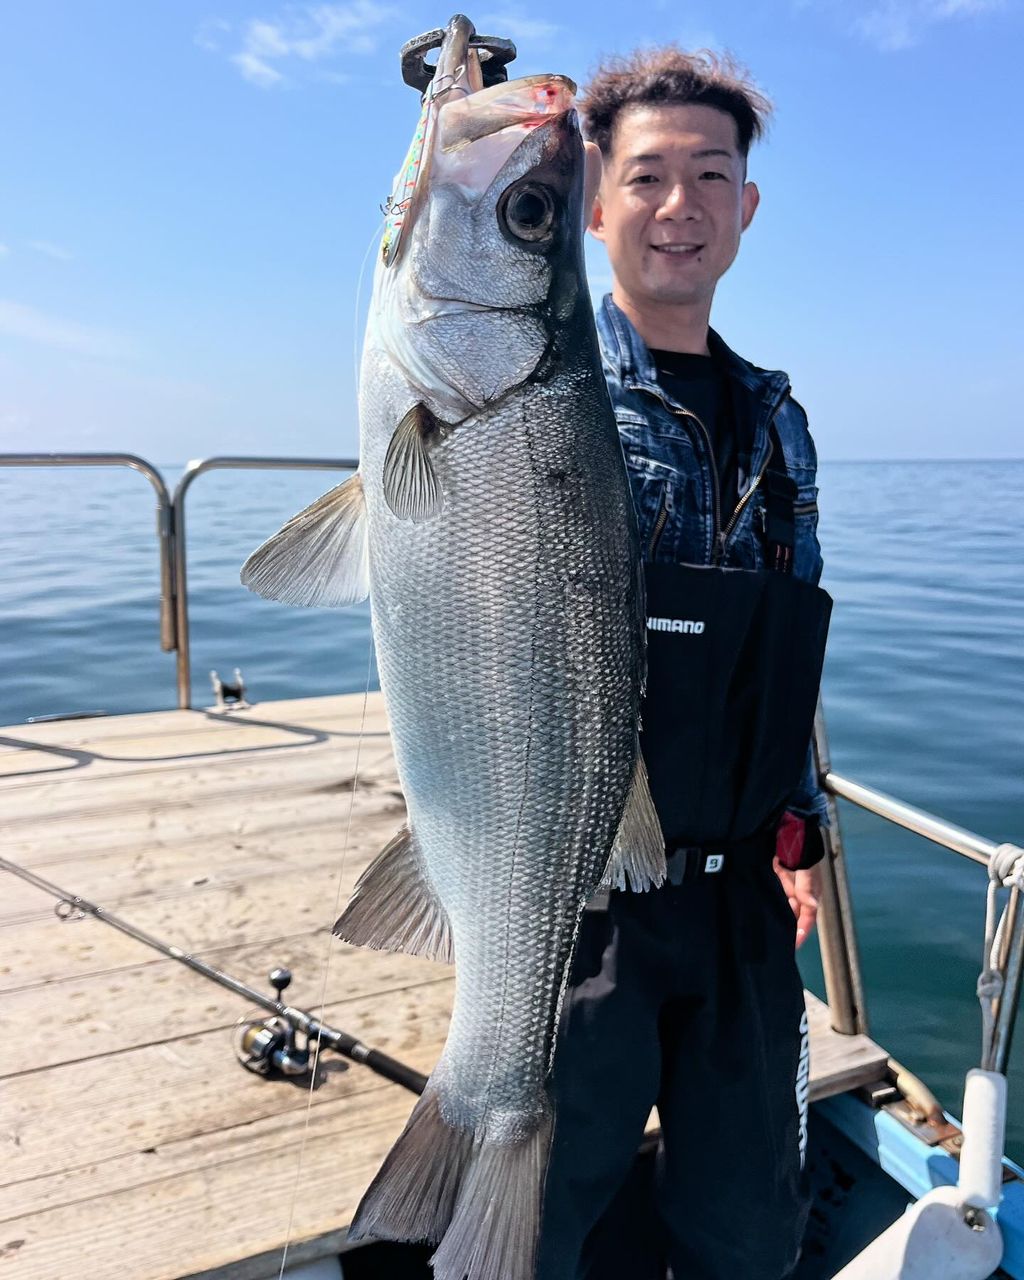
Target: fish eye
x,y
528,212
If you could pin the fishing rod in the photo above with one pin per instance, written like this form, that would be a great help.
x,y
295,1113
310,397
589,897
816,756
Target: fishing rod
x,y
267,1046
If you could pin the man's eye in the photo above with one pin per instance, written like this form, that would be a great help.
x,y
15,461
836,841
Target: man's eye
x,y
645,178
713,173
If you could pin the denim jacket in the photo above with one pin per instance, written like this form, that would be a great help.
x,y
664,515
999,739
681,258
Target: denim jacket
x,y
672,473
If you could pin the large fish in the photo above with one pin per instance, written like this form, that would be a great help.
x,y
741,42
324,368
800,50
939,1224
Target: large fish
x,y
491,521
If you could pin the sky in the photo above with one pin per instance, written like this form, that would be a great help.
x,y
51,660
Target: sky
x,y
188,192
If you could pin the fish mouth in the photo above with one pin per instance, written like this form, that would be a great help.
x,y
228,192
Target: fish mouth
x,y
468,132
475,134
458,73
521,105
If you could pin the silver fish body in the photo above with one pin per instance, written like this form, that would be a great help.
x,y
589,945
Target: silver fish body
x,y
508,646
492,518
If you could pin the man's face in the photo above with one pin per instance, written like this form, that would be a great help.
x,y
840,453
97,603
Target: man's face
x,y
673,203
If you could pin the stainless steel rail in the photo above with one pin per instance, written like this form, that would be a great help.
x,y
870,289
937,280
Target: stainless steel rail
x,y
959,840
840,954
168,640
192,471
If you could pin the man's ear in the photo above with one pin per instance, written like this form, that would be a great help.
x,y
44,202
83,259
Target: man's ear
x,y
596,227
750,198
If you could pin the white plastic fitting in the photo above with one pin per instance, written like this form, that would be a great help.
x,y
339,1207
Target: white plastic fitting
x,y
940,1235
984,1128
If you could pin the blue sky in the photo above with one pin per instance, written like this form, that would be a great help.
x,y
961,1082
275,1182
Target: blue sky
x,y
187,192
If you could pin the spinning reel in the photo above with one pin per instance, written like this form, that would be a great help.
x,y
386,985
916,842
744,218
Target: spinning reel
x,y
270,1046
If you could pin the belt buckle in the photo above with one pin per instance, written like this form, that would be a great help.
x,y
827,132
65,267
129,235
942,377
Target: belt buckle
x,y
689,864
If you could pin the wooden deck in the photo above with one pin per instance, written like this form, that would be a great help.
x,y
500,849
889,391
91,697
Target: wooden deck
x,y
133,1146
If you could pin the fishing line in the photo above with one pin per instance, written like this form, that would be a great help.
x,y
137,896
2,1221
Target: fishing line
x,y
374,240
327,963
358,329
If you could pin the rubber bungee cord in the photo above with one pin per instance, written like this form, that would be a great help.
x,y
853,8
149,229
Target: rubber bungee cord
x,y
348,824
1005,871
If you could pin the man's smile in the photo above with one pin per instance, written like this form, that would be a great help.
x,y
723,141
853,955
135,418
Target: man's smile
x,y
683,250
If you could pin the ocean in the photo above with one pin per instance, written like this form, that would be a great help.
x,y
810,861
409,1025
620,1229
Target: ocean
x,y
923,685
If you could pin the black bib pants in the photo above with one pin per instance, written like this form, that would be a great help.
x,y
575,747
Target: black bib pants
x,y
688,996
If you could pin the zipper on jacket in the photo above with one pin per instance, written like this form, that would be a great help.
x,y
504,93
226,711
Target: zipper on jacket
x,y
664,510
751,489
716,485
720,537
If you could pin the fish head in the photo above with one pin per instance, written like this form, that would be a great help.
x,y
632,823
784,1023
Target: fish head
x,y
490,262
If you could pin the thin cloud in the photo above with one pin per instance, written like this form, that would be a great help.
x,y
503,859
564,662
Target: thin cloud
x,y
210,34
4,250
18,320
50,250
273,48
518,25
894,25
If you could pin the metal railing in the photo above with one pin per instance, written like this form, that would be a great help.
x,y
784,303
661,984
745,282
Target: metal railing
x,y
170,527
839,952
192,471
164,518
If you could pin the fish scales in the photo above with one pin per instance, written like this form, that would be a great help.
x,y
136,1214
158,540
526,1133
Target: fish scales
x,y
491,524
504,637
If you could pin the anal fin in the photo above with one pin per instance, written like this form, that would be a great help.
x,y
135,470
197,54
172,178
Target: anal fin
x,y
320,557
394,907
638,854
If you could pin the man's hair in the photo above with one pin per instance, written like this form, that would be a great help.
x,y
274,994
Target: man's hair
x,y
668,77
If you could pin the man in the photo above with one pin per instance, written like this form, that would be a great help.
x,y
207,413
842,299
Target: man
x,y
689,996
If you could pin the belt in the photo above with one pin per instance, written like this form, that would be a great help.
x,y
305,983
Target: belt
x,y
684,865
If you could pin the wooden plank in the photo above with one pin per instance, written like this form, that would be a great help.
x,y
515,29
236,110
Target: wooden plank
x,y
173,1107
208,1218
191,784
103,1014
839,1062
211,800
232,1207
344,709
118,879
46,950
21,784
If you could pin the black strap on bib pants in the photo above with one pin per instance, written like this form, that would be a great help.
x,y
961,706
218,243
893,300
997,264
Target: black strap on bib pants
x,y
688,996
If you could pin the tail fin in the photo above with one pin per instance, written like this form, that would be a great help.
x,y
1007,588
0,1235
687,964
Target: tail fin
x,y
412,1198
493,1232
480,1199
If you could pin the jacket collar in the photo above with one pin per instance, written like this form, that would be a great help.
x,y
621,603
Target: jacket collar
x,y
626,354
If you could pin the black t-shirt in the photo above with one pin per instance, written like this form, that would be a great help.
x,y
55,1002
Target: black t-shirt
x,y
699,384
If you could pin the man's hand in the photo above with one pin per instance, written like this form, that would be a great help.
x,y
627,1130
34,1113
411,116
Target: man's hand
x,y
803,889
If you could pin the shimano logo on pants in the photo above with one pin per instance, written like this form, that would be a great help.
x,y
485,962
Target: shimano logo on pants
x,y
803,1084
687,626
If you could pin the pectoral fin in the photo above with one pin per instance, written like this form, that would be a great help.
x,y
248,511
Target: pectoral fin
x,y
320,557
638,855
394,907
411,487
